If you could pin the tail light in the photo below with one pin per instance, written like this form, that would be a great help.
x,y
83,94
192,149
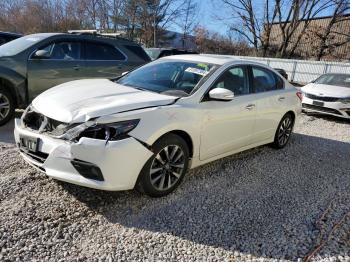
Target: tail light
x,y
299,95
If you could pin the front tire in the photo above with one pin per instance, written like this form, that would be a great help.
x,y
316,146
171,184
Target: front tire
x,y
284,131
165,170
7,106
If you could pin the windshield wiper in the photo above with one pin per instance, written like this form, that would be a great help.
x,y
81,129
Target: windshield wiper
x,y
139,88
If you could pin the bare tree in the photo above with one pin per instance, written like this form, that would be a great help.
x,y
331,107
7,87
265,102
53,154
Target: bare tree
x,y
208,42
149,19
50,16
188,22
294,25
331,35
143,20
162,13
292,17
247,21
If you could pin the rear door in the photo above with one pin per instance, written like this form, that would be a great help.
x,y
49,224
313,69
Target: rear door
x,y
103,60
63,64
271,102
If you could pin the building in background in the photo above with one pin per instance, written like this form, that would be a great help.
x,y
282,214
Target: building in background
x,y
314,44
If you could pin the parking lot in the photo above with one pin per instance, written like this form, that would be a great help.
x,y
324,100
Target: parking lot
x,y
261,204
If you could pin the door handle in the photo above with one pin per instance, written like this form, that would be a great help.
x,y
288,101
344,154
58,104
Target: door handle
x,y
281,98
76,67
250,106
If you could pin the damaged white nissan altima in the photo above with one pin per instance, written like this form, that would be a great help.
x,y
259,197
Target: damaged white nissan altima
x,y
147,128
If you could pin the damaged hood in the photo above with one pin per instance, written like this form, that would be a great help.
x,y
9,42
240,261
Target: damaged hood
x,y
81,100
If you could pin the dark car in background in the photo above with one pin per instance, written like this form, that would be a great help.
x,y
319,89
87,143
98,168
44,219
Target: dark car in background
x,y
34,63
6,37
155,53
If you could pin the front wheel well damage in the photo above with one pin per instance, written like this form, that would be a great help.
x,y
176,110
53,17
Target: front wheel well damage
x,y
7,85
185,136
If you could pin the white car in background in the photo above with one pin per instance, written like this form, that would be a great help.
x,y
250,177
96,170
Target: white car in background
x,y
328,94
147,128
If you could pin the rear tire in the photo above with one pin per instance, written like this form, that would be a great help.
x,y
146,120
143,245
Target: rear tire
x,y
165,170
284,131
7,106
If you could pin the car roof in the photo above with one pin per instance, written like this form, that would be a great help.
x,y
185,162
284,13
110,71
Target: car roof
x,y
161,48
212,59
10,34
43,35
85,36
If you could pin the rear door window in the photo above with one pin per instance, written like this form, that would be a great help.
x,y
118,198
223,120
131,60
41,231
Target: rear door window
x,y
265,80
100,51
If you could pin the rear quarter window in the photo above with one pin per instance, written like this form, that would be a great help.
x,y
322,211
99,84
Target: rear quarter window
x,y
2,40
101,51
138,51
279,82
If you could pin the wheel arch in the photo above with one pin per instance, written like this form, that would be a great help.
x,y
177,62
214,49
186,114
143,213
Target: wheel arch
x,y
292,113
185,136
9,86
15,84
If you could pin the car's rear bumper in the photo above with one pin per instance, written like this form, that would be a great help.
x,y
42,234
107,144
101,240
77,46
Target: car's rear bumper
x,y
330,108
120,162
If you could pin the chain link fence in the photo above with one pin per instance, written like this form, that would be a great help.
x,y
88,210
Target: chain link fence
x,y
302,71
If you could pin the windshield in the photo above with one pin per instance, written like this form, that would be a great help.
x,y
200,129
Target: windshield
x,y
334,80
20,44
174,77
153,53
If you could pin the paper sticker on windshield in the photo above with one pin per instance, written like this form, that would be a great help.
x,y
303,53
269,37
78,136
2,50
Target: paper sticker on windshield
x,y
196,71
204,66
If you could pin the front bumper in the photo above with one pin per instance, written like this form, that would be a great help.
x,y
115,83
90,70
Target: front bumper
x,y
330,108
120,161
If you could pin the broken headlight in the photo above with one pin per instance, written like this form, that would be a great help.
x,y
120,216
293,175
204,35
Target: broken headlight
x,y
108,132
345,100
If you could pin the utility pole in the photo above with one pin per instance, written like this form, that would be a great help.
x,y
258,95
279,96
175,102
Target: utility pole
x,y
154,26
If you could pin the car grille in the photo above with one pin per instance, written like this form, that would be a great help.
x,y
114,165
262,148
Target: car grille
x,y
41,123
322,98
322,109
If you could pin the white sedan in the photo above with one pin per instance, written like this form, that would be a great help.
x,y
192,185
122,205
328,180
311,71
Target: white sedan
x,y
147,128
328,94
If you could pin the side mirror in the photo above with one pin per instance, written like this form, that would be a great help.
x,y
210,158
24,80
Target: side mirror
x,y
221,94
125,73
42,54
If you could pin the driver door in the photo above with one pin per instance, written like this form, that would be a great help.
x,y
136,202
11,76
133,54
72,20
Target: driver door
x,y
228,125
62,64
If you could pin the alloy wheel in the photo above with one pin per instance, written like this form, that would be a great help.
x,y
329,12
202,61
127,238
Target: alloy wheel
x,y
4,106
285,131
167,167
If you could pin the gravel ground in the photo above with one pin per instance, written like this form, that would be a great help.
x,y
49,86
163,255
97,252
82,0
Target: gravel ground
x,y
260,205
